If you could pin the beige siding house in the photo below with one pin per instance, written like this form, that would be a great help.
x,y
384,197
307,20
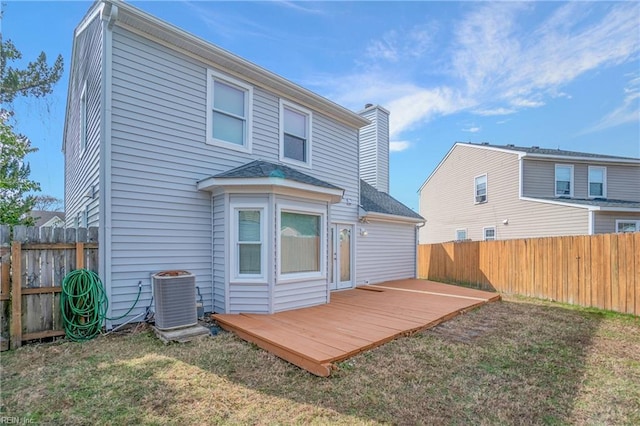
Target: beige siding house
x,y
483,192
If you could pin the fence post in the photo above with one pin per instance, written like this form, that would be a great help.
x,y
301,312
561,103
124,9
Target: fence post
x,y
16,294
79,255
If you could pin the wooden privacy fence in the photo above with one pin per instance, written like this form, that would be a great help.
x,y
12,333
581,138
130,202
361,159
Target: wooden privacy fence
x,y
33,266
600,271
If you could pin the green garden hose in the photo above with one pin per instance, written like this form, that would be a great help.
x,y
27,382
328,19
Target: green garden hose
x,y
84,305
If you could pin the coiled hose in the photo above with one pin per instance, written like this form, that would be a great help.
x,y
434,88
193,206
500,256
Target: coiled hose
x,y
84,305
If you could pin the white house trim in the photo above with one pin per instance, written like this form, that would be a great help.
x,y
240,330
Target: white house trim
x,y
263,208
309,122
230,81
604,181
302,208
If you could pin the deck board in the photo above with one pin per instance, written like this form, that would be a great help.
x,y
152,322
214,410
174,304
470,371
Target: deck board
x,y
354,321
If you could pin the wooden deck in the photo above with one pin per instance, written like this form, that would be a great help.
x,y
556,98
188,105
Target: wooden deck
x,y
354,321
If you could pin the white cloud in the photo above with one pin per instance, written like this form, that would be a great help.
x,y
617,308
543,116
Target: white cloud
x,y
473,129
397,146
395,46
494,111
628,112
497,64
526,103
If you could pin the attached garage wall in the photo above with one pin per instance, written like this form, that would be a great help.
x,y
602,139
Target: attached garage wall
x,y
387,252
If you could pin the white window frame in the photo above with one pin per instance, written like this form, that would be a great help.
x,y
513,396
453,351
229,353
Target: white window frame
x,y
235,275
284,104
465,234
571,181
486,189
628,221
248,101
84,125
604,181
484,233
307,210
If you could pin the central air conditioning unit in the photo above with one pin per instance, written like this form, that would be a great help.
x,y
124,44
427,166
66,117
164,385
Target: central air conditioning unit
x,y
174,293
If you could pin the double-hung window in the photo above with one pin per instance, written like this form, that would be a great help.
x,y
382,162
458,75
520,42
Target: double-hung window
x,y
228,112
295,134
597,182
249,248
481,189
564,180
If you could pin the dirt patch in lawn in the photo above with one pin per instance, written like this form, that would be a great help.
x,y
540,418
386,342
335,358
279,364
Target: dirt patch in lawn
x,y
519,361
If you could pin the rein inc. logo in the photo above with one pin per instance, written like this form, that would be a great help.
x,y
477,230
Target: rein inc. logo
x,y
11,420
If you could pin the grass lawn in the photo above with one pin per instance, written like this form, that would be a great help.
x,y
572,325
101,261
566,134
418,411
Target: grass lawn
x,y
519,361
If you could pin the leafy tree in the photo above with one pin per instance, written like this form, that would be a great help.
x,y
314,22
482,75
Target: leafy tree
x,y
14,175
36,79
47,203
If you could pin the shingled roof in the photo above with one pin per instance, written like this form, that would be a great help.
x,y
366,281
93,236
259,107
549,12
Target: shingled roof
x,y
550,151
265,169
375,201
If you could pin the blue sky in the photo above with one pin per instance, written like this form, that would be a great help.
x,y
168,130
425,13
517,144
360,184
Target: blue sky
x,y
554,74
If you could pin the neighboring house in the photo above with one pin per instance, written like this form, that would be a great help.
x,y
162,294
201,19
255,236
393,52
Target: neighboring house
x,y
48,219
189,157
487,192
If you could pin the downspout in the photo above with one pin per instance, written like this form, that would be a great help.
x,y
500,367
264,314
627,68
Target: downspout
x,y
417,240
213,262
592,222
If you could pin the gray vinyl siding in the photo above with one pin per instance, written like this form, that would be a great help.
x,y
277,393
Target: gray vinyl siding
x,y
447,201
82,168
622,180
605,222
374,150
159,220
387,252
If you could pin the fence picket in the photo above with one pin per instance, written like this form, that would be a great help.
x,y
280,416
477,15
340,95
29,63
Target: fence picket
x,y
602,270
31,272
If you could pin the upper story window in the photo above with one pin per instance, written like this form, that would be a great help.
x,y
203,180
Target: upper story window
x,y
489,233
627,225
481,189
597,181
228,112
564,180
295,134
83,118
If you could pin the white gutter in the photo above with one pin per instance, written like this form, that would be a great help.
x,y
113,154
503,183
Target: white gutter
x,y
389,217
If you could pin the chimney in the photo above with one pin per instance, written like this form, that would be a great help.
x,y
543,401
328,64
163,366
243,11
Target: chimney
x,y
374,147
